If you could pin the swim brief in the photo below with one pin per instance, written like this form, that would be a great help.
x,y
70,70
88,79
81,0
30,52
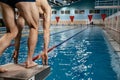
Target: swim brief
x,y
13,2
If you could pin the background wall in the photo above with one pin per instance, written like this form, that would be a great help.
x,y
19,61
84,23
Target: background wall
x,y
85,5
112,26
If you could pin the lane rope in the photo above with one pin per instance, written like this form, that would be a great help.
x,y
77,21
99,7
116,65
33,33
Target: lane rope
x,y
63,31
50,49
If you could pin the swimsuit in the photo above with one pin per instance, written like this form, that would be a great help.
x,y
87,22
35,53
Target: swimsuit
x,y
13,2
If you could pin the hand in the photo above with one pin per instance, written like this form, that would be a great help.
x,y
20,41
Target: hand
x,y
15,56
44,58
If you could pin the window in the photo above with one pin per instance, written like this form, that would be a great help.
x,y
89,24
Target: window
x,y
76,11
67,12
79,11
97,11
54,12
94,11
62,12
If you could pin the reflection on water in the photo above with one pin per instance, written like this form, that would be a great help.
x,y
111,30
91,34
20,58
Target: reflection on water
x,y
86,56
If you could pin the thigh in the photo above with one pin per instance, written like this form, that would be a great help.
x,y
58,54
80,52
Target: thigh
x,y
8,16
29,11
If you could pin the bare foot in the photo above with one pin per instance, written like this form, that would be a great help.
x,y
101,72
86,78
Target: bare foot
x,y
30,64
44,59
2,70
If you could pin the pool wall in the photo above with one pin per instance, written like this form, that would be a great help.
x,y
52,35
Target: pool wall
x,y
115,58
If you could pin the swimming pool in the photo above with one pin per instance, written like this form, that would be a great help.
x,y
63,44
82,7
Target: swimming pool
x,y
86,56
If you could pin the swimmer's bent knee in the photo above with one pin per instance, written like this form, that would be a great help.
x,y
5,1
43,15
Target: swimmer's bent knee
x,y
14,33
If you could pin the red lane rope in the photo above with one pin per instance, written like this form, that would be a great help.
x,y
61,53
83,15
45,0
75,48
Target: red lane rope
x,y
50,49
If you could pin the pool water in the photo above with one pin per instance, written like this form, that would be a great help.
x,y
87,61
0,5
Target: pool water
x,y
86,56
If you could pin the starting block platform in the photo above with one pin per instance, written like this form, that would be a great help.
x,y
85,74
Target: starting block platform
x,y
19,72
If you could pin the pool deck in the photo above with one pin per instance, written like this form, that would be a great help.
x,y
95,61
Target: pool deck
x,y
116,48
114,44
19,72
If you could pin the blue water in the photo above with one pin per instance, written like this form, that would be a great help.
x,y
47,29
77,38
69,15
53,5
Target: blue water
x,y
84,57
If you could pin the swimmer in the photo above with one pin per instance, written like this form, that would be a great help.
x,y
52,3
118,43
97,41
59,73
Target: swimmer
x,y
45,10
30,13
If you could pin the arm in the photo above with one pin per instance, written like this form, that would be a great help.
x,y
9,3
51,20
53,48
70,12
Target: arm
x,y
46,24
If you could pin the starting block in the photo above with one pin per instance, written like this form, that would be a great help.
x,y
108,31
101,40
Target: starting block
x,y
19,72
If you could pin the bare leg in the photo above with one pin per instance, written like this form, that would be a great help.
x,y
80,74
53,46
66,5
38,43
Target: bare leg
x,y
5,40
30,13
20,23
